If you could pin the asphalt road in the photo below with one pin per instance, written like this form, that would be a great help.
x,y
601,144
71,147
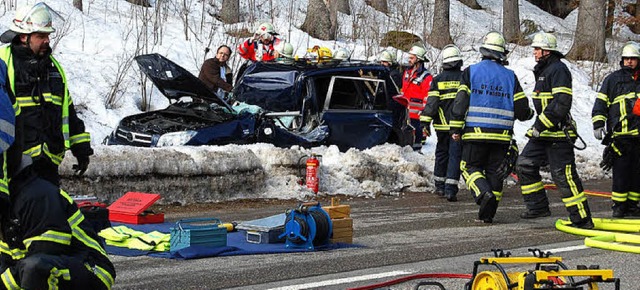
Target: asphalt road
x,y
406,234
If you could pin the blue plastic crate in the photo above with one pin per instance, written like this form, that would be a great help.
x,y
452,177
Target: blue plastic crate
x,y
197,231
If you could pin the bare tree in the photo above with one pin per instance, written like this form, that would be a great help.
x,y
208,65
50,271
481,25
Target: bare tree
x,y
511,20
588,43
77,4
318,21
611,6
380,5
635,27
473,4
230,11
440,33
343,6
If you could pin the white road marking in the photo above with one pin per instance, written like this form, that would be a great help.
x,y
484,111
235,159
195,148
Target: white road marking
x,y
343,280
568,249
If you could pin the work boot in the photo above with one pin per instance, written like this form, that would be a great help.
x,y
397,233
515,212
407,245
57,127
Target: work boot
x,y
488,207
619,210
586,224
534,214
632,209
452,198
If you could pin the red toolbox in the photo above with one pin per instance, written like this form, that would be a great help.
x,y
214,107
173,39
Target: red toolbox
x,y
132,207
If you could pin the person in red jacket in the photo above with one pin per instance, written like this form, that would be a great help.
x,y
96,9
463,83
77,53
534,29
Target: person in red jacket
x,y
261,46
416,81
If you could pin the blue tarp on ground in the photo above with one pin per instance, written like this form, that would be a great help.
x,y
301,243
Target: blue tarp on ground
x,y
236,245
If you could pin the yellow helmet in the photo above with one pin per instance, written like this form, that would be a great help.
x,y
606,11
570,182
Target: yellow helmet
x,y
451,53
545,41
494,41
319,53
631,49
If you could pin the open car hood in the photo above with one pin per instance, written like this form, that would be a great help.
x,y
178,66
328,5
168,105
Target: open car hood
x,y
174,81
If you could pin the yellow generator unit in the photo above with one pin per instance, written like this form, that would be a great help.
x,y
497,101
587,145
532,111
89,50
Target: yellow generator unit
x,y
549,273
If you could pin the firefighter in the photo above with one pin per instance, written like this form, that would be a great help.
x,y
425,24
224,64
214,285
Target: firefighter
x,y
612,115
36,79
260,47
443,91
551,138
284,52
387,60
488,101
46,241
415,87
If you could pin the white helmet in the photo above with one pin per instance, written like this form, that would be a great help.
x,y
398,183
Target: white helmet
x,y
32,19
265,27
631,49
285,49
385,55
494,41
419,52
451,53
342,54
545,41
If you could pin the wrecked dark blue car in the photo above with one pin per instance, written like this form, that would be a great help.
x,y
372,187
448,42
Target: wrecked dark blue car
x,y
347,104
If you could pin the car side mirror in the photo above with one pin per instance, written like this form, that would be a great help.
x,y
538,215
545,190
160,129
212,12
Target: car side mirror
x,y
401,99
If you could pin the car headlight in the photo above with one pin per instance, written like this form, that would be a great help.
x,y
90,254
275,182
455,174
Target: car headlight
x,y
175,138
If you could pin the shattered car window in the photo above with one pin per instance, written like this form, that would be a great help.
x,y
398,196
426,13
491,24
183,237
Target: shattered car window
x,y
270,89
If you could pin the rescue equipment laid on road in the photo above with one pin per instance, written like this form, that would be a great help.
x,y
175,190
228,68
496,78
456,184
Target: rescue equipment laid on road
x,y
198,231
549,272
608,234
307,226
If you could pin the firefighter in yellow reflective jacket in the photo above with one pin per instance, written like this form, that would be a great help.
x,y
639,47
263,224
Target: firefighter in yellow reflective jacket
x,y
488,101
46,241
36,79
551,138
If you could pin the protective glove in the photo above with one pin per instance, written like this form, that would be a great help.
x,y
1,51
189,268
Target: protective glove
x,y
608,156
81,167
426,129
599,133
534,132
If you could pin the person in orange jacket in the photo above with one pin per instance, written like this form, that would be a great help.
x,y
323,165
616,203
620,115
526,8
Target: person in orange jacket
x,y
416,81
261,46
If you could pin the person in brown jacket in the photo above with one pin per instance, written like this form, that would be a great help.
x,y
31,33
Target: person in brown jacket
x,y
216,74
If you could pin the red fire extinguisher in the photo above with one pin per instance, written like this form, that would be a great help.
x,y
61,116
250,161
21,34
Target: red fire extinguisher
x,y
313,164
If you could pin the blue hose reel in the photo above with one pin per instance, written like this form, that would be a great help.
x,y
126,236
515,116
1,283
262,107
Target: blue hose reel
x,y
307,227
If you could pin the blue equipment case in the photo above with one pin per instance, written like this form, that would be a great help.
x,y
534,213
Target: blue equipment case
x,y
197,231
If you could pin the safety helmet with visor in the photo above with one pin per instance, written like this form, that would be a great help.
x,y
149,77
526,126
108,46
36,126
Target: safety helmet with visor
x,y
419,52
385,55
631,49
451,53
494,41
35,19
285,49
545,41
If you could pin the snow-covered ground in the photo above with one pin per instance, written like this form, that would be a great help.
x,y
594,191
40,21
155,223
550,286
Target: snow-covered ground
x,y
93,45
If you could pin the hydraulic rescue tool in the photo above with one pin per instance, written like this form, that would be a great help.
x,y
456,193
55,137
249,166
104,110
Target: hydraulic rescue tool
x,y
307,226
549,273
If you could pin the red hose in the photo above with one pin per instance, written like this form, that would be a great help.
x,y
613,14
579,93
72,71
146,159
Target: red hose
x,y
413,277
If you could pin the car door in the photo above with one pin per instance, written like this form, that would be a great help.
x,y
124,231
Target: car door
x,y
355,112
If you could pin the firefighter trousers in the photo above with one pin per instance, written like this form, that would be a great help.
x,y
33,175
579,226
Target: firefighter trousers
x,y
446,169
561,160
479,164
625,188
40,271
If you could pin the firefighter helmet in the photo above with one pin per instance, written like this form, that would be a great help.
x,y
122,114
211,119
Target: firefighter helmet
x,y
385,55
419,52
631,49
265,27
342,54
32,19
285,49
545,41
494,41
451,53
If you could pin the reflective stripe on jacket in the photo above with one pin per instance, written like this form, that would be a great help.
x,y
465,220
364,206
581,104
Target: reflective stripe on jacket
x,y
441,95
415,88
614,103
